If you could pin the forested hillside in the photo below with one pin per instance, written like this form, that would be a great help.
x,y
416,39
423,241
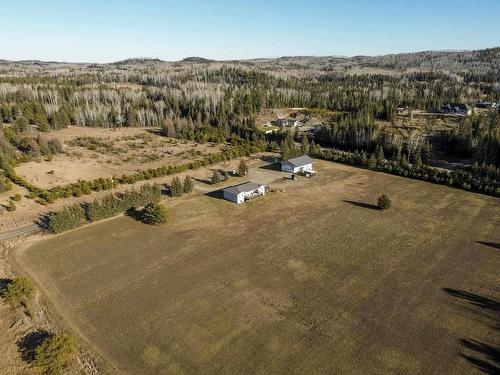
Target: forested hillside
x,y
206,100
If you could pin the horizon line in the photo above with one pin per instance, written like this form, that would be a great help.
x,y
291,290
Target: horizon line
x,y
247,59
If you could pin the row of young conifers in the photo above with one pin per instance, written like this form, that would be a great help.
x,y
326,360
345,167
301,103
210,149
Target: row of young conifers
x,y
146,197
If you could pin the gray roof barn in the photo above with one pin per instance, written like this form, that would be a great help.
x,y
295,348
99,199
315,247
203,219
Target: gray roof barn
x,y
300,161
241,188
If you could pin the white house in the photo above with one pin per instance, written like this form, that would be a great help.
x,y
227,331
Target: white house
x,y
287,122
298,165
242,192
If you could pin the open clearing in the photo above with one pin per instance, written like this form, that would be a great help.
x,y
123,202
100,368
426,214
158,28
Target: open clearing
x,y
305,281
107,153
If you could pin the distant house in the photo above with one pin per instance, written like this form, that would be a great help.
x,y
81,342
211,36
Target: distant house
x,y
298,165
457,109
402,110
286,122
243,192
492,105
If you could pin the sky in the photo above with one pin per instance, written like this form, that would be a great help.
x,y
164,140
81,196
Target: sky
x,y
113,30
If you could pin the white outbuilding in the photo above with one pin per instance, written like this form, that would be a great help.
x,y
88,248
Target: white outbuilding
x,y
243,192
301,164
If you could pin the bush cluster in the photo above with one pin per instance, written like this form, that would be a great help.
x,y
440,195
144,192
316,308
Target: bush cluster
x,y
18,180
5,184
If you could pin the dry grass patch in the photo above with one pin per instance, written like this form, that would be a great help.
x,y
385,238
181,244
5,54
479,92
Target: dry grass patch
x,y
296,282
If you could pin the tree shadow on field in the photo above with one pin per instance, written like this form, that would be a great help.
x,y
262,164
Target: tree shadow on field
x,y
3,284
490,244
487,352
362,205
218,194
27,345
203,181
474,299
270,159
154,131
134,213
482,356
272,167
43,221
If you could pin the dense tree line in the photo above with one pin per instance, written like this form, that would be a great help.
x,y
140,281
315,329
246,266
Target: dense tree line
x,y
476,137
478,178
111,205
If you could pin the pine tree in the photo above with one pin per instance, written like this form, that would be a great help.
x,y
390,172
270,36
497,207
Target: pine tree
x,y
54,354
304,146
242,168
188,185
372,161
426,152
380,154
216,179
176,187
155,213
383,202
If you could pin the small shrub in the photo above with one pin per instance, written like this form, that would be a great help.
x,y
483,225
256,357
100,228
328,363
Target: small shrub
x,y
17,197
12,206
5,184
155,213
20,291
54,354
383,202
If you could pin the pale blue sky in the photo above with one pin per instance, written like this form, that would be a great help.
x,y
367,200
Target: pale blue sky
x,y
111,30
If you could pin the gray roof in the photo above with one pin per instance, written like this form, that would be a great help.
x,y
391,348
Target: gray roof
x,y
285,121
241,188
300,161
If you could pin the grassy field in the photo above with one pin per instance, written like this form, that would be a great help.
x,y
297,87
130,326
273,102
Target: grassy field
x,y
108,152
309,280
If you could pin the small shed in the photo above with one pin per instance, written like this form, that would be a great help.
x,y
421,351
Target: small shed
x,y
243,192
298,165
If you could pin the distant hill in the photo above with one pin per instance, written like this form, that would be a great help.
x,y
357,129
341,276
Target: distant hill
x,y
137,60
197,60
477,62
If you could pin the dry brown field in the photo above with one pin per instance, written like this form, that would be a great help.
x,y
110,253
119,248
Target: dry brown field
x,y
123,151
309,279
